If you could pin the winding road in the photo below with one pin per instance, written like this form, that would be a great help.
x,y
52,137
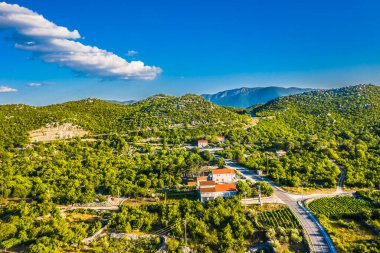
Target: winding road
x,y
320,241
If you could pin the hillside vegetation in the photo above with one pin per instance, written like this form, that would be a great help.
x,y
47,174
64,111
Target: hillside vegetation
x,y
160,114
317,130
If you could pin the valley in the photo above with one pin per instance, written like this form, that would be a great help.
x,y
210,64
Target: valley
x,y
189,126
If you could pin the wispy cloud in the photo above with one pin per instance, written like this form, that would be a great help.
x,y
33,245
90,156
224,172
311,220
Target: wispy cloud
x,y
57,44
34,84
4,89
132,53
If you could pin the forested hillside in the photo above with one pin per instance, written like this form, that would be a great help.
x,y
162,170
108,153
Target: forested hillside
x,y
160,114
339,124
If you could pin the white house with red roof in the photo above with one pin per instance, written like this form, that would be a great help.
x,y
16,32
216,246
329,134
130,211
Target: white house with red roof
x,y
221,138
280,153
221,184
202,143
212,191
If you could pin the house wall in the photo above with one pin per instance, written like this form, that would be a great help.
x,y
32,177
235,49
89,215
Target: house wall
x,y
223,177
213,195
202,145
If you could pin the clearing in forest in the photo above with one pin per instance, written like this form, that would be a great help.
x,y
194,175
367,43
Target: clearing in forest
x,y
56,131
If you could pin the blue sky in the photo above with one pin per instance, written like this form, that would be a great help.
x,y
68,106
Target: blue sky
x,y
200,47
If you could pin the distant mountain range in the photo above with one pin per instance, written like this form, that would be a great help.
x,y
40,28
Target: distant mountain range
x,y
127,102
241,97
245,97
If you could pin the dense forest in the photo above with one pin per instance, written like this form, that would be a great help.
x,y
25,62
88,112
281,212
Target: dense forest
x,y
77,171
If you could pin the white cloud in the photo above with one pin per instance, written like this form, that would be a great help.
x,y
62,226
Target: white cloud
x,y
56,44
34,84
4,89
132,52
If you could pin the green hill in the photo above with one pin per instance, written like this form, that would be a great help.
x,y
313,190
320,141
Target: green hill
x,y
159,114
343,124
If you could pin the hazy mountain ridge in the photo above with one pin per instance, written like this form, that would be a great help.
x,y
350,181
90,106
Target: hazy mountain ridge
x,y
126,102
245,97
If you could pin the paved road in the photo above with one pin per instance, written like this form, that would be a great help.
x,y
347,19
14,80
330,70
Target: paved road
x,y
320,241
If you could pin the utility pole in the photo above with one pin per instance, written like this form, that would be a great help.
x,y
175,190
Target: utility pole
x,y
185,234
245,201
260,195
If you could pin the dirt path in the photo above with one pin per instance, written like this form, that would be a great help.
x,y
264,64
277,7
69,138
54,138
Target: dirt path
x,y
340,183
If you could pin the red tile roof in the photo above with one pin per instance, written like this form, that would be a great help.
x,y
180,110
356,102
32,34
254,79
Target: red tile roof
x,y
191,183
219,188
207,183
223,171
202,178
225,187
202,141
209,189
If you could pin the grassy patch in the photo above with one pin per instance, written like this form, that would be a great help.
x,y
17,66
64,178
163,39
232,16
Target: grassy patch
x,y
350,235
308,190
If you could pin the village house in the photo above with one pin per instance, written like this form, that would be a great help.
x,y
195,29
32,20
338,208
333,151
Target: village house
x,y
221,139
223,175
280,153
211,192
218,184
202,143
